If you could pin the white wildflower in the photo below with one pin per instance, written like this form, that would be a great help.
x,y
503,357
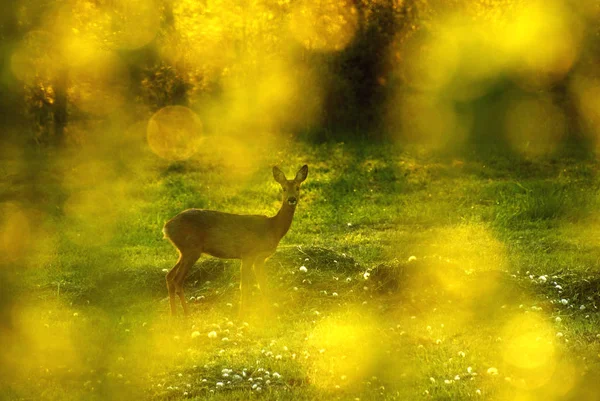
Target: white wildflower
x,y
492,371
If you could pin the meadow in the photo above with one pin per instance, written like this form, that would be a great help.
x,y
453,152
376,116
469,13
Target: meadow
x,y
446,244
408,274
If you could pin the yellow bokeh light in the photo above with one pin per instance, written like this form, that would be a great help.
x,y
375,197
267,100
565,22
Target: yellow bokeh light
x,y
529,348
77,43
586,90
78,50
119,24
325,25
541,40
92,215
99,86
430,121
564,379
36,343
272,99
174,133
535,126
206,32
35,58
87,172
25,236
133,23
465,262
344,350
458,60
432,63
230,152
15,232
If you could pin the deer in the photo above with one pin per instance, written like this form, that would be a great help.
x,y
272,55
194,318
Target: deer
x,y
250,238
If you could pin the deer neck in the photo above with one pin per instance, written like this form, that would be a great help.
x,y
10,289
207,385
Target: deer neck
x,y
283,219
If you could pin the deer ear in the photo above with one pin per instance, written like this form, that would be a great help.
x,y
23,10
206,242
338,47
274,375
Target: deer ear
x,y
278,175
302,174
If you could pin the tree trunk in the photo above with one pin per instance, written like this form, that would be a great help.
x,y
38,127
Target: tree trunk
x,y
60,106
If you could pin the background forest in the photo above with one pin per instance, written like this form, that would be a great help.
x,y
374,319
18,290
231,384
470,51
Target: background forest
x,y
436,72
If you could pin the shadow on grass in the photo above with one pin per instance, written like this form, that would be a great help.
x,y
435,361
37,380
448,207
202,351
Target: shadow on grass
x,y
435,281
519,204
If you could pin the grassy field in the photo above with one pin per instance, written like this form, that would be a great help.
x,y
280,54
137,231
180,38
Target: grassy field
x,y
427,277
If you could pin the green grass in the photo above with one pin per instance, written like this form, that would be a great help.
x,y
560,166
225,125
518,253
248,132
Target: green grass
x,y
499,241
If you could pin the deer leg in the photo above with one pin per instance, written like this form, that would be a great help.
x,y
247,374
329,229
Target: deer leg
x,y
186,263
245,276
261,277
171,286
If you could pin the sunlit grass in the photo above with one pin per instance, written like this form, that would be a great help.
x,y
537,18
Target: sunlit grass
x,y
497,299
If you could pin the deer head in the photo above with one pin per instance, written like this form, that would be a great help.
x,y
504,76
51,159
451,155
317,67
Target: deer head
x,y
291,188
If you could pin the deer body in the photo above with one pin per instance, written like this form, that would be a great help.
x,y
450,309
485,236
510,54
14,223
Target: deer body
x,y
251,238
226,235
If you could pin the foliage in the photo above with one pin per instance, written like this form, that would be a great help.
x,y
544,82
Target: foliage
x,y
367,69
